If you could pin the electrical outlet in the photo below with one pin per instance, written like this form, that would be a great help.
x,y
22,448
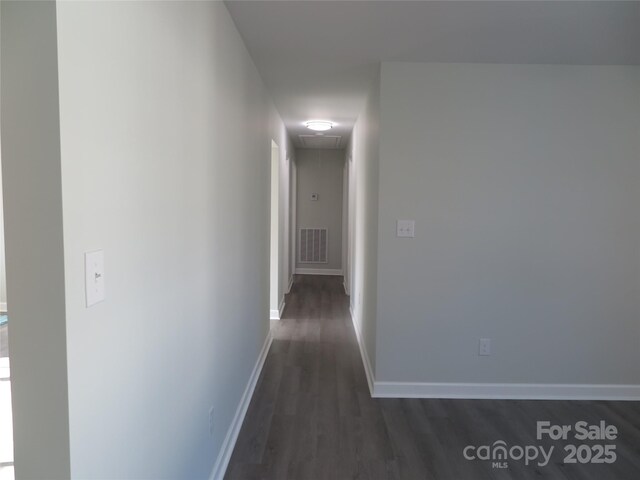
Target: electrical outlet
x,y
211,420
484,347
406,228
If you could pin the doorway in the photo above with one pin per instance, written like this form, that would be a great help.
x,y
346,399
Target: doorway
x,y
6,421
293,175
274,277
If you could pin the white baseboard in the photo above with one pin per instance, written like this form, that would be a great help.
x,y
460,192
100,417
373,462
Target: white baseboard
x,y
506,391
363,352
229,443
290,284
319,271
346,289
494,391
277,314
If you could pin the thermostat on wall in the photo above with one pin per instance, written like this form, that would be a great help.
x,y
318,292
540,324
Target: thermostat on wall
x,y
314,197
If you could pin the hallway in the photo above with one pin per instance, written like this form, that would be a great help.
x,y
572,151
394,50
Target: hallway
x,y
311,415
307,415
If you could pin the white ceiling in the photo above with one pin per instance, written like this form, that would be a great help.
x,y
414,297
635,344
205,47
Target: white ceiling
x,y
318,58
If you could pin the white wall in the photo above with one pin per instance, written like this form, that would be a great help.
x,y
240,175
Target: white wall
x,y
320,171
165,139
34,239
523,181
363,151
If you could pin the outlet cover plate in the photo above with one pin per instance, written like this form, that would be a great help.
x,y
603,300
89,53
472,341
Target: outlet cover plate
x,y
484,347
406,228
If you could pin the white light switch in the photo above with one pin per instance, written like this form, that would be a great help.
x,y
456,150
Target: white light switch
x,y
94,276
406,228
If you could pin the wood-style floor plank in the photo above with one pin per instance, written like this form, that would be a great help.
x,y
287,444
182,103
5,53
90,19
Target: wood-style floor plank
x,y
312,417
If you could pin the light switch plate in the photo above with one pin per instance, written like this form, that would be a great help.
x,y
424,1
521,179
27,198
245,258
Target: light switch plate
x,y
94,276
406,228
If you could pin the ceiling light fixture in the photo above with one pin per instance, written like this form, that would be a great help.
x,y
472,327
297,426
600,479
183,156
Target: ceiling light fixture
x,y
319,125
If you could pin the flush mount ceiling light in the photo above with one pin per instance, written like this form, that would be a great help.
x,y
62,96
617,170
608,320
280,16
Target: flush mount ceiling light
x,y
319,125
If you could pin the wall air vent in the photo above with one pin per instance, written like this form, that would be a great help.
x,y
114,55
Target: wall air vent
x,y
313,245
320,141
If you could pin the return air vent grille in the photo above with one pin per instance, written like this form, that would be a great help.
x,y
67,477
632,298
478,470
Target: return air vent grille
x,y
320,141
314,244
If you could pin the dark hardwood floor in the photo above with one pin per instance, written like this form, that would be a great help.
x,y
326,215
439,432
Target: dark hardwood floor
x,y
311,416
